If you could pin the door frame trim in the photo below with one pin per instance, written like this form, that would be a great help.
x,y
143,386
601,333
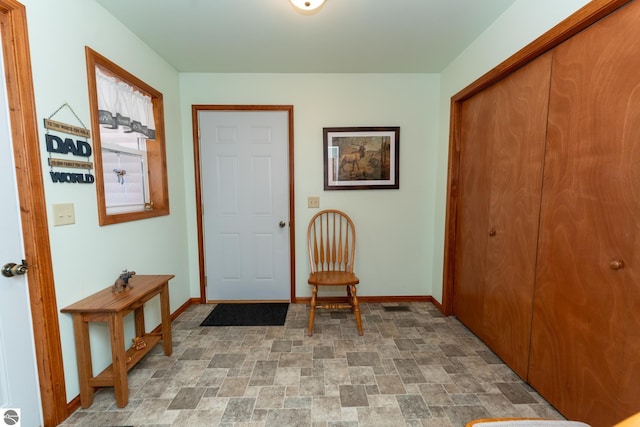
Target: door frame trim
x,y
33,211
578,21
196,158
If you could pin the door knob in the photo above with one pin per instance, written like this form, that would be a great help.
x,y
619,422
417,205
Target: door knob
x,y
282,224
492,232
616,264
12,269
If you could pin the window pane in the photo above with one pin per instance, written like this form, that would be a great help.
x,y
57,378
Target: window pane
x,y
124,188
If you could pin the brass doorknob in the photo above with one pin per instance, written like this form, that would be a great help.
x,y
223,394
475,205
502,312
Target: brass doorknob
x,y
616,264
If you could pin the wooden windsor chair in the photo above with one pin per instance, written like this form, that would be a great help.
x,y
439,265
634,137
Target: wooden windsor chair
x,y
332,242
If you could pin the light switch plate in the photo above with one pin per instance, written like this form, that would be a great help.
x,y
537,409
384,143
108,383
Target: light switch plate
x,y
63,214
313,202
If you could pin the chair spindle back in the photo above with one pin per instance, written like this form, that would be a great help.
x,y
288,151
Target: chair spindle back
x,y
332,241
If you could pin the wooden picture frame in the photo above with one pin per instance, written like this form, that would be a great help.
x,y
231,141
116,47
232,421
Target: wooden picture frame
x,y
361,158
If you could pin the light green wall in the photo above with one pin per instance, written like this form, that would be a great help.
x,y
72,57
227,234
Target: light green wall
x,y
87,257
519,25
394,226
400,231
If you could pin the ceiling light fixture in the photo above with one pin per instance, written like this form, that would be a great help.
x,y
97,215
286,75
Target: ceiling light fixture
x,y
307,5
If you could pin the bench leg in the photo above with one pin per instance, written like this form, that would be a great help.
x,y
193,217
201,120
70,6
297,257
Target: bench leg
x,y
119,360
83,354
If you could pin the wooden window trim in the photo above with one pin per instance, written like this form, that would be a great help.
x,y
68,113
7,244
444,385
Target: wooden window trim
x,y
156,149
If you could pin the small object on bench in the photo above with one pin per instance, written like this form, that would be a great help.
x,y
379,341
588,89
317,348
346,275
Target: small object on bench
x,y
122,282
138,343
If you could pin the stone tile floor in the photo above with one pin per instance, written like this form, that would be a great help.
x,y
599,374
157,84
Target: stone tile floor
x,y
411,368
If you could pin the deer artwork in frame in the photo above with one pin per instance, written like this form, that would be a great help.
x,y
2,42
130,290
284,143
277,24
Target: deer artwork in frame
x,y
361,158
353,159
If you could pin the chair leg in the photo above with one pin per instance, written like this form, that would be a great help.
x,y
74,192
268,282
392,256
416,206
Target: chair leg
x,y
312,312
356,308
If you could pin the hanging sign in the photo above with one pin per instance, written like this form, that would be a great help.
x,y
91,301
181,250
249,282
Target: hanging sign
x,y
70,129
66,146
77,148
61,163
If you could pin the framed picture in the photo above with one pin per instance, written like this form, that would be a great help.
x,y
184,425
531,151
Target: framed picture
x,y
361,158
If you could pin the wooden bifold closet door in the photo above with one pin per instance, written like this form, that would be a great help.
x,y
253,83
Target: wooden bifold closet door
x,y
501,156
585,348
546,265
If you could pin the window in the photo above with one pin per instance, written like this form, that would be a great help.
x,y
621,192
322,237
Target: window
x,y
127,120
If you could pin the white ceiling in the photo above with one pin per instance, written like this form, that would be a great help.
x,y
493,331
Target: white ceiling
x,y
344,36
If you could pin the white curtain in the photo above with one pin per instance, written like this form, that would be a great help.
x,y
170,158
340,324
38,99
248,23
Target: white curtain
x,y
120,106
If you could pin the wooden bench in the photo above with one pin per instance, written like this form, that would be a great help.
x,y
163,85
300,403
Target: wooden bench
x,y
110,307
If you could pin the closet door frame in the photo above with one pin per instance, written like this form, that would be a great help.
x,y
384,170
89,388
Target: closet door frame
x,y
581,19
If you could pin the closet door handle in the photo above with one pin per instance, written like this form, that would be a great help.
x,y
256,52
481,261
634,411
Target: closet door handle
x,y
492,232
616,264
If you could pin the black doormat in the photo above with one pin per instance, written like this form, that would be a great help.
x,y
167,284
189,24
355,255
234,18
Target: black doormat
x,y
259,314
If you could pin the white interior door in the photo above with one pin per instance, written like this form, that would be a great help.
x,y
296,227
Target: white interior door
x,y
245,196
18,370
